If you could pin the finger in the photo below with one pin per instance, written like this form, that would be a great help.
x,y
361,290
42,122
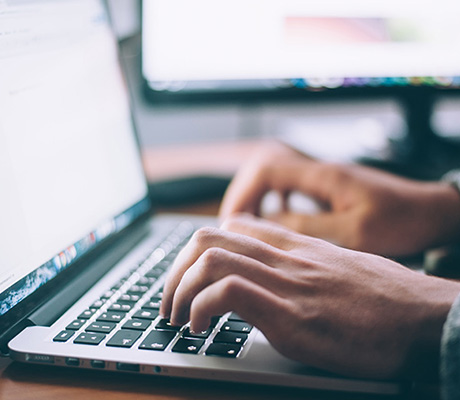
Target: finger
x,y
245,192
255,304
334,227
311,177
207,238
213,265
285,195
273,234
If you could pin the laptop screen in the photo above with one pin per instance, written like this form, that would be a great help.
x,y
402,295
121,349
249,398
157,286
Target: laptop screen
x,y
70,171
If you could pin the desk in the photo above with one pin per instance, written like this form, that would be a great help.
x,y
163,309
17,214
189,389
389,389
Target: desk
x,y
37,382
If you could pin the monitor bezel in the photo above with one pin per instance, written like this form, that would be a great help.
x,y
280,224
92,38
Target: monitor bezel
x,y
286,94
291,94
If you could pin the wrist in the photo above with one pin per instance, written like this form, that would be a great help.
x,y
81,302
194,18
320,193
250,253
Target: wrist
x,y
446,206
424,356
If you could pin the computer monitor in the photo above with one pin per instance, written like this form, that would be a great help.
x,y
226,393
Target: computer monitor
x,y
261,50
241,49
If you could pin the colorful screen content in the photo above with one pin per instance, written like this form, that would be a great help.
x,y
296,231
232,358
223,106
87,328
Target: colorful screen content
x,y
244,44
70,171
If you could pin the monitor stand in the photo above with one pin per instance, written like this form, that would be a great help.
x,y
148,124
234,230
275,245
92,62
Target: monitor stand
x,y
421,154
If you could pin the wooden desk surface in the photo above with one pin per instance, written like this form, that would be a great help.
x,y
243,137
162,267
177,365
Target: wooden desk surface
x,y
24,381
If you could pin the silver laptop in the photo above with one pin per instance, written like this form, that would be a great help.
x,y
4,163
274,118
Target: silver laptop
x,y
82,259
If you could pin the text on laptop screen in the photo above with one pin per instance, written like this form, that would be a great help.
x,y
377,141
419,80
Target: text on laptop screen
x,y
70,172
201,44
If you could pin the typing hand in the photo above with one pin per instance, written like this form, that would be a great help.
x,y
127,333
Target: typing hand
x,y
362,208
332,308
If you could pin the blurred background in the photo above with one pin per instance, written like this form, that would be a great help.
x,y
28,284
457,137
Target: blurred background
x,y
353,81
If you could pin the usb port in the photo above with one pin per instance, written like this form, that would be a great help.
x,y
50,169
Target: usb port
x,y
73,362
98,364
128,367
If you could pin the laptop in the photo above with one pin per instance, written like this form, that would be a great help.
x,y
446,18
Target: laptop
x,y
83,257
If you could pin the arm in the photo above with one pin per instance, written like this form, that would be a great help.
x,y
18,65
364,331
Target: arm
x,y
362,208
348,312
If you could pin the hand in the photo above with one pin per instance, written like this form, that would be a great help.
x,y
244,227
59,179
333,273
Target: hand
x,y
362,208
325,306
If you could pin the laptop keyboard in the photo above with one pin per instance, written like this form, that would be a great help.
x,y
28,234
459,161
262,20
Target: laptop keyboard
x,y
127,315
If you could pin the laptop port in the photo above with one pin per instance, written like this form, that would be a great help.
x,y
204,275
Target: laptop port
x,y
128,367
98,364
73,362
40,358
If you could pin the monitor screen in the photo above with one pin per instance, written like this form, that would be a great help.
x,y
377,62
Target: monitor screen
x,y
266,45
70,171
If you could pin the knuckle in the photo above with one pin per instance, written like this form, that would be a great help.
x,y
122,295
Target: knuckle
x,y
234,221
211,257
336,172
267,151
204,236
232,286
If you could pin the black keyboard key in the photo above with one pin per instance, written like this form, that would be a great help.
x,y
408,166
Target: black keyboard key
x,y
166,325
231,338
190,346
119,284
108,294
112,316
98,303
101,327
121,306
202,335
172,255
223,350
154,303
87,314
157,340
154,273
146,314
138,289
90,338
63,336
215,320
137,324
236,326
134,298
76,325
235,317
145,280
124,338
162,266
